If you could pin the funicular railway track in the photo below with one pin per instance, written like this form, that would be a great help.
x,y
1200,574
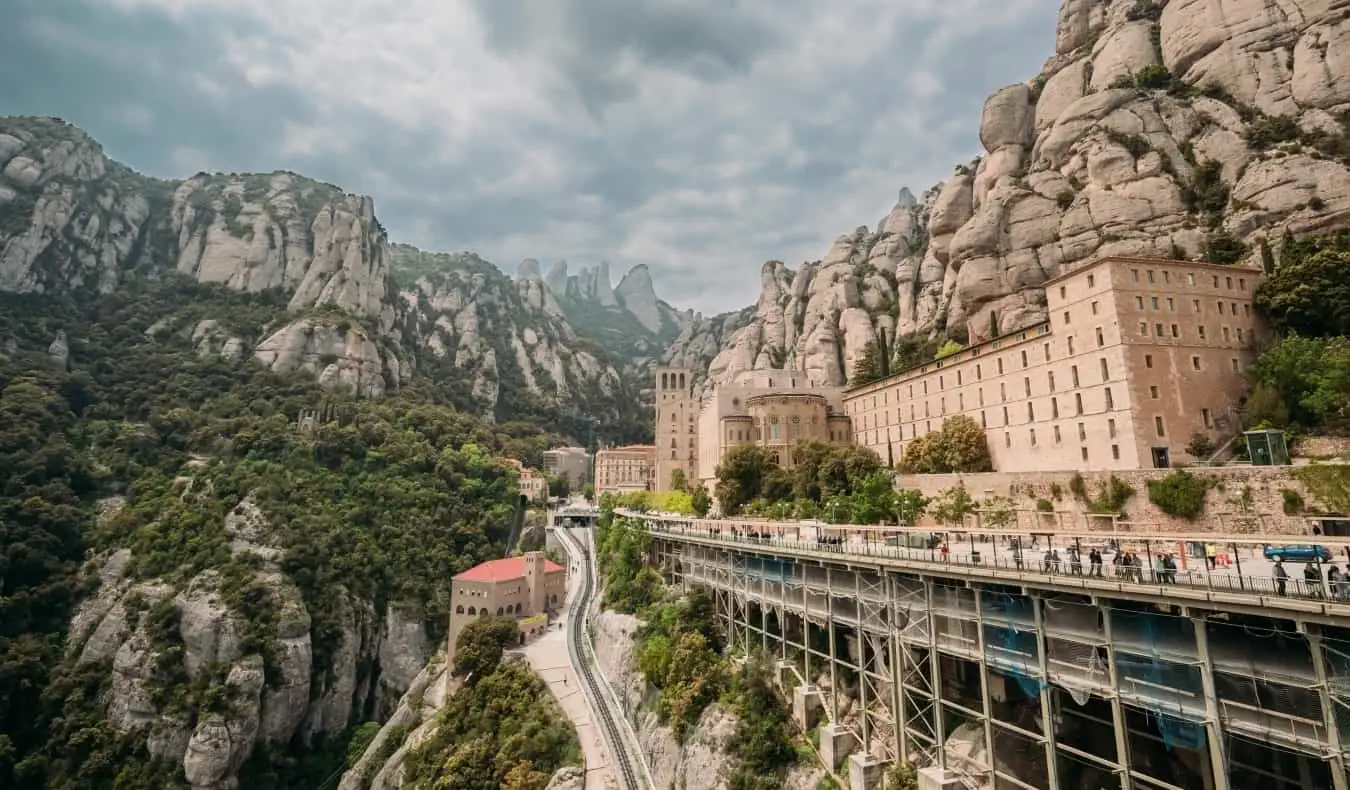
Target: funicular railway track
x,y
626,772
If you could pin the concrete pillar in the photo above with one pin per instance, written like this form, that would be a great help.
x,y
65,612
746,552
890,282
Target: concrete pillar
x,y
1218,752
836,743
864,771
1338,777
938,777
807,703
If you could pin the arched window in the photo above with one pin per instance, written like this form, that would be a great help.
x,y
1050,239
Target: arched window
x,y
499,611
555,598
459,609
483,612
517,608
665,381
681,381
472,611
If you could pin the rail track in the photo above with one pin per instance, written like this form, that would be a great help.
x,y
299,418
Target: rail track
x,y
576,639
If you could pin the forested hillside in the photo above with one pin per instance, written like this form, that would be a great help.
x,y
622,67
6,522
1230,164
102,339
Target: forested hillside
x,y
240,590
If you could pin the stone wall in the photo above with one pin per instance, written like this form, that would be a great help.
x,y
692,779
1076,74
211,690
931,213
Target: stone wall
x,y
1244,499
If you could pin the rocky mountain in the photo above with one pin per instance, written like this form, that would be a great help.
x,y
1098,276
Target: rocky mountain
x,y
362,314
1174,128
628,321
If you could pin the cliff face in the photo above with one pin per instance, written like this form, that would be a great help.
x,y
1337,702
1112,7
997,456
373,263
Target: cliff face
x,y
143,626
1175,128
364,313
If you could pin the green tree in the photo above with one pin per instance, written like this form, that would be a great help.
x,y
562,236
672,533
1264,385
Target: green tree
x,y
998,512
700,501
481,645
1308,293
588,491
960,446
743,475
871,365
909,506
559,486
678,481
1310,376
952,505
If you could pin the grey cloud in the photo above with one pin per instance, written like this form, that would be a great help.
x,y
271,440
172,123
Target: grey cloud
x,y
772,162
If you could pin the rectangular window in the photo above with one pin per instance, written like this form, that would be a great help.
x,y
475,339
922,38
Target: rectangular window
x,y
961,401
1134,275
1050,379
1032,433
1073,374
1220,307
1026,385
1235,365
1201,330
1246,309
1230,282
1110,402
1078,402
1143,328
1106,371
1082,432
1226,335
1057,436
1190,278
1031,412
1242,284
1084,451
1007,439
1005,415
983,423
1095,308
1070,339
958,378
1153,303
1171,306
1003,391
925,388
1046,348
1000,366
1195,306
942,384
1139,302
1148,360
1115,451
1024,357
1153,392
1167,276
1054,408
1204,415
981,391
1195,363
1066,316
1158,426
1063,292
1091,280
1111,428
1101,338
1176,331
1158,330
1239,334
1150,275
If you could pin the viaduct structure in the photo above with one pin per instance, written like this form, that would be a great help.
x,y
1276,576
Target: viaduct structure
x,y
999,671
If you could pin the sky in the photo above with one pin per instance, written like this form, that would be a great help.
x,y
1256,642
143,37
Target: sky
x,y
699,137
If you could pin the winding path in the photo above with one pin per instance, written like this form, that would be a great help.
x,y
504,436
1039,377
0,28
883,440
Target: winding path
x,y
629,768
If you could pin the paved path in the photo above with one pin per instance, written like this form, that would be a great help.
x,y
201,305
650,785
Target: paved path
x,y
548,657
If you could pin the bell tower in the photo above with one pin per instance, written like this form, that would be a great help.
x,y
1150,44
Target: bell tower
x,y
676,428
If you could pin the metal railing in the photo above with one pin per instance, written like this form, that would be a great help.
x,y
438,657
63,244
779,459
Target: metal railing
x,y
1298,591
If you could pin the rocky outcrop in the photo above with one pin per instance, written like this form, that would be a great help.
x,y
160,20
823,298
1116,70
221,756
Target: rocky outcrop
x,y
463,312
1155,129
235,703
360,314
702,761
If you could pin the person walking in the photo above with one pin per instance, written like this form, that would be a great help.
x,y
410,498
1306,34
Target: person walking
x,y
1280,575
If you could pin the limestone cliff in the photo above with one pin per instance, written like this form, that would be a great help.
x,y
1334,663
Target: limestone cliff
x,y
701,762
361,314
251,690
1191,128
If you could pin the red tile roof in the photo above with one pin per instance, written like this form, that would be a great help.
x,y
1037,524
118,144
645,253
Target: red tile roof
x,y
502,570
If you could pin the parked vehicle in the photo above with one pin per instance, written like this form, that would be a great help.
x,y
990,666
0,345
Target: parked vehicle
x,y
1297,553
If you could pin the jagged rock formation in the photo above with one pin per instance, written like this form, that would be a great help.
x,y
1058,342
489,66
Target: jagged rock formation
x,y
629,321
1188,128
702,761
363,314
144,626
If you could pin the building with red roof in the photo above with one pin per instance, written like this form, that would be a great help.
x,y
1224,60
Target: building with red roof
x,y
528,589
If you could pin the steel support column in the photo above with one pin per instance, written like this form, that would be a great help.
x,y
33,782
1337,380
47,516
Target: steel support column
x,y
1047,705
1339,780
1117,707
1218,746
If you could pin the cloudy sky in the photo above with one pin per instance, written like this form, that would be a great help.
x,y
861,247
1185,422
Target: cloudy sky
x,y
700,137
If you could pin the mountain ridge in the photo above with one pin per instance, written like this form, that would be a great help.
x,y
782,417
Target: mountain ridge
x,y
1159,129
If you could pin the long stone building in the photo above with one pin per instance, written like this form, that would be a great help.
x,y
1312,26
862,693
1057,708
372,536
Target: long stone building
x,y
620,470
1138,357
525,588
